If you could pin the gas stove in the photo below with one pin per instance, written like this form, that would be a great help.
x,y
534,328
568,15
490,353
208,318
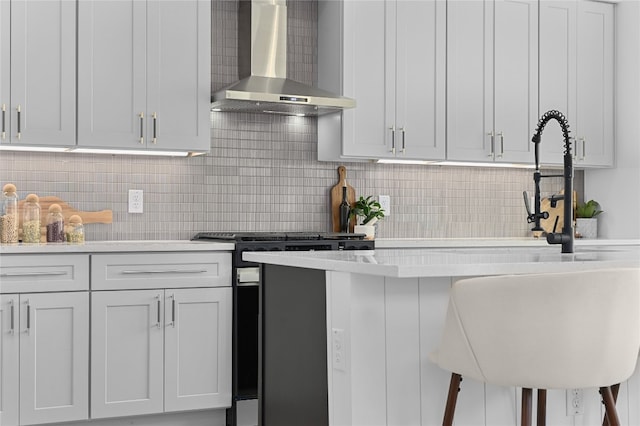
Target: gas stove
x,y
286,241
277,236
246,283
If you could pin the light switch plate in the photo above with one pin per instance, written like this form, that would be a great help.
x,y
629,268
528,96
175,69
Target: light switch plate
x,y
136,204
385,204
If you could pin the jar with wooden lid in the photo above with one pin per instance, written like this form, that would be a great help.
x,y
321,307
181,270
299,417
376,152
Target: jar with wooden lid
x,y
9,215
75,230
55,224
31,220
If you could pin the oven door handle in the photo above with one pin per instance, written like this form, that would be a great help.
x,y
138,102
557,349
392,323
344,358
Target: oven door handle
x,y
256,284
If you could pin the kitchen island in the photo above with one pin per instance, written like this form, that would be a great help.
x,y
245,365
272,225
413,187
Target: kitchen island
x,y
346,336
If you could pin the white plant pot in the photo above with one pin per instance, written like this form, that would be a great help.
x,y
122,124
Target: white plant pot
x,y
368,230
587,227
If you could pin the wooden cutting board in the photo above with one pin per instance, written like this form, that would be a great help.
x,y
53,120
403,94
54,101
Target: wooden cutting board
x,y
554,212
336,199
103,216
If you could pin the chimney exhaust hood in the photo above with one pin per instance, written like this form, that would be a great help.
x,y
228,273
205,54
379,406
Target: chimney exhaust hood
x,y
262,67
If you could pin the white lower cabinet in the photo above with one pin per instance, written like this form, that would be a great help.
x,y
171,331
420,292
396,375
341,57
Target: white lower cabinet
x,y
9,360
44,358
160,350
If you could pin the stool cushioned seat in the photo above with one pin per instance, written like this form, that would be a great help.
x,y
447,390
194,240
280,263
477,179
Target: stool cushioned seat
x,y
553,330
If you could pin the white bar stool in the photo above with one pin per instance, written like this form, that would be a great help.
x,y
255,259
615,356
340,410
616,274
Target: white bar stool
x,y
568,330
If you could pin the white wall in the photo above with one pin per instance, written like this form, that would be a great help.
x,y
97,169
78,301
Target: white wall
x,y
618,189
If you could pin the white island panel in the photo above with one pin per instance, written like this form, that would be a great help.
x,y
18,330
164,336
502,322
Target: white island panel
x,y
385,311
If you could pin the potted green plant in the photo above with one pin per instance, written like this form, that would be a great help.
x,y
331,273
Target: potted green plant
x,y
587,219
367,212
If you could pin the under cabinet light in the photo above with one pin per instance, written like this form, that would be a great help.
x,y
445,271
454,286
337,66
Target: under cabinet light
x,y
455,163
394,161
23,148
33,148
135,152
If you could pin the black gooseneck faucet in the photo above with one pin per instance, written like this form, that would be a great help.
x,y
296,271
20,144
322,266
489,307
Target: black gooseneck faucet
x,y
566,237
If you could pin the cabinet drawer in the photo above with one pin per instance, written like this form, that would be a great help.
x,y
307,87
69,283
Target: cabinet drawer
x,y
160,270
47,272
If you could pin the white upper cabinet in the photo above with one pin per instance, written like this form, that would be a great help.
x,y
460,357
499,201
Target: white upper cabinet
x,y
5,71
576,78
594,123
557,74
492,80
144,74
391,60
38,72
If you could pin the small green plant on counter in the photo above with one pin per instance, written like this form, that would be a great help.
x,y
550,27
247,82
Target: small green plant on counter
x,y
368,209
588,210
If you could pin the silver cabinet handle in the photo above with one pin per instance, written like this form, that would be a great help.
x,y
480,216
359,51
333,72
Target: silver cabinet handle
x,y
165,271
173,311
28,316
32,274
493,141
501,134
4,119
12,319
403,139
19,109
141,128
155,119
393,139
584,148
158,297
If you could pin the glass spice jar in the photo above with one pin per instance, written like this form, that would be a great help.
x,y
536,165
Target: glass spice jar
x,y
9,215
75,234
31,220
55,224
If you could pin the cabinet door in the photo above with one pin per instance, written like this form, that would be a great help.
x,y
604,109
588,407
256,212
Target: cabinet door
x,y
197,349
557,74
43,72
515,79
54,357
367,129
594,137
9,359
126,353
5,70
420,87
469,80
179,74
111,73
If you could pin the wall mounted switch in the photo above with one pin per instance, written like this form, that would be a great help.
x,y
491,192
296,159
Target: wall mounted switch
x,y
385,204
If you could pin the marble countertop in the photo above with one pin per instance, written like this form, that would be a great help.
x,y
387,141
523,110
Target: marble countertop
x,y
118,247
489,242
457,262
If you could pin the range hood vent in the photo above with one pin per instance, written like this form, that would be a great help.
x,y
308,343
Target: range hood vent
x,y
262,67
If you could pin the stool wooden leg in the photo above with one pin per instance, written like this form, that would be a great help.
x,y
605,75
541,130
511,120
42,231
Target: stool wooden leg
x,y
614,391
541,419
452,397
610,406
526,407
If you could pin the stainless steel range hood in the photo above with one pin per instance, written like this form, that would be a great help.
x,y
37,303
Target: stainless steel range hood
x,y
262,67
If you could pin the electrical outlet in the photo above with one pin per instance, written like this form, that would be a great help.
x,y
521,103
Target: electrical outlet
x,y
136,201
385,204
575,402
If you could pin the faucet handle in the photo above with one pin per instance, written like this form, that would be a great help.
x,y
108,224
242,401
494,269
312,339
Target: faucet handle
x,y
526,203
531,217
